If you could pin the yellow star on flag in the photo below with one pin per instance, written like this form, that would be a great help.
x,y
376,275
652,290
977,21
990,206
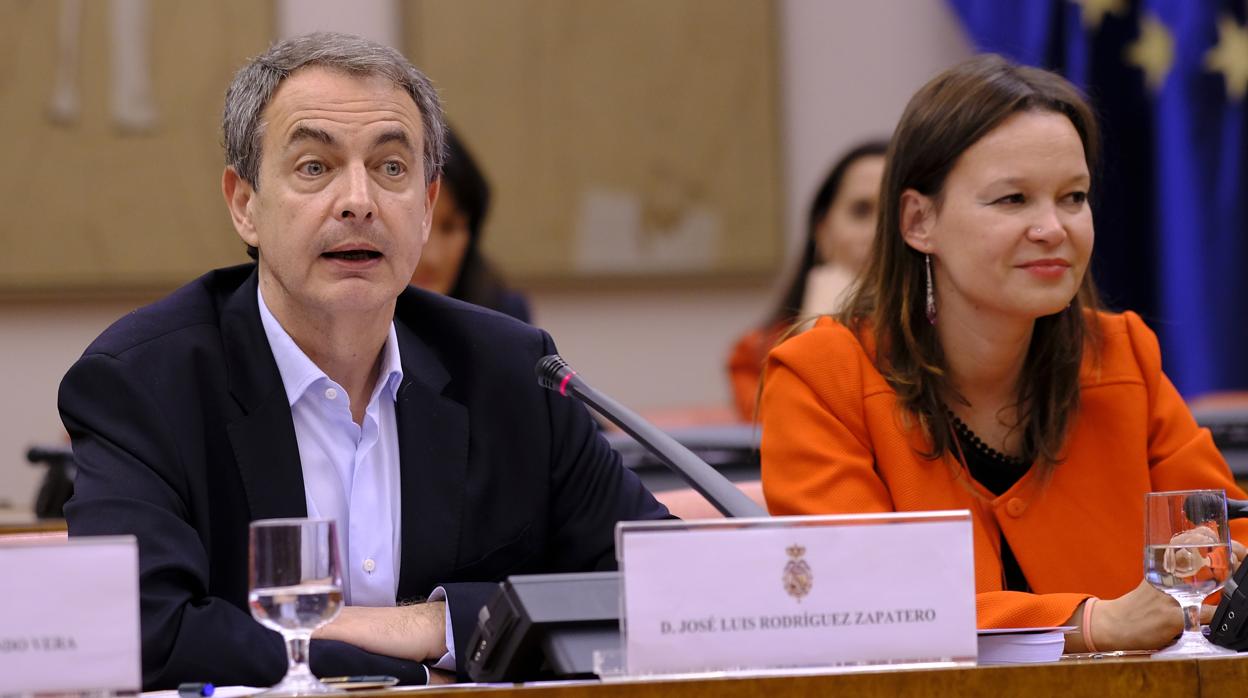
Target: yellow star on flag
x,y
1153,52
1230,57
1094,11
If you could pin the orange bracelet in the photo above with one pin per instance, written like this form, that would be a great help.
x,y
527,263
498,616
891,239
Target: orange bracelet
x,y
1086,628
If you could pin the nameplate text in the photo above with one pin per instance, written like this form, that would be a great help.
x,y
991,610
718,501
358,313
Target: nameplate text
x,y
69,615
785,592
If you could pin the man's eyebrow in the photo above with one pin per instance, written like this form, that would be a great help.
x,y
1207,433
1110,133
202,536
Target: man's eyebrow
x,y
302,133
394,136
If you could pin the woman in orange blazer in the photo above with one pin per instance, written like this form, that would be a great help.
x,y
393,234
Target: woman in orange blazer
x,y
972,369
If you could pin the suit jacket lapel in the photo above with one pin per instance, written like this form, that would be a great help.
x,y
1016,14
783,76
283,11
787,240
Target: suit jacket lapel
x,y
433,455
264,437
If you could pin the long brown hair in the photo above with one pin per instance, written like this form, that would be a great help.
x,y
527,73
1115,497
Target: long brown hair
x,y
945,118
790,305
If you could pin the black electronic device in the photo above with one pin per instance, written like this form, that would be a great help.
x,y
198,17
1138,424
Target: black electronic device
x,y
1228,627
547,625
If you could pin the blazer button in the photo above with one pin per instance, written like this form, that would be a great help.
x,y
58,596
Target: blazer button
x,y
1015,507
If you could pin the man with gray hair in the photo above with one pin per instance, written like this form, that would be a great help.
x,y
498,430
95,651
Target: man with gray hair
x,y
315,382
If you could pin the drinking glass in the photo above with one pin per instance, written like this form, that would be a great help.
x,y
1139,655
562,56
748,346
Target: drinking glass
x,y
1187,554
296,587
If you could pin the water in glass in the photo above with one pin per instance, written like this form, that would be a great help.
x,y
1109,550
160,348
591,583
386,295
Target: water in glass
x,y
1187,554
296,587
306,607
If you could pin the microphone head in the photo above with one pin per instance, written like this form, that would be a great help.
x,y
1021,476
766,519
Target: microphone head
x,y
1200,507
1237,508
551,371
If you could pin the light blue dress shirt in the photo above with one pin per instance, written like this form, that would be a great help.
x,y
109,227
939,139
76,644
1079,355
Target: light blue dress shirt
x,y
350,471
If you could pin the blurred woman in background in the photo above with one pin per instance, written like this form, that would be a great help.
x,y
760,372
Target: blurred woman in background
x,y
839,230
452,263
973,369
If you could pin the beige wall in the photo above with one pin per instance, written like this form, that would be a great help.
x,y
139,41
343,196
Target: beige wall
x,y
847,69
38,342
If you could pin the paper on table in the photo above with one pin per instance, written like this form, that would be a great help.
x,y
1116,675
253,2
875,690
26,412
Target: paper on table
x,y
1024,631
1021,645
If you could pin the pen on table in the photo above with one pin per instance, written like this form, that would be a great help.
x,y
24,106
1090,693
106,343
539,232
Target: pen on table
x,y
195,690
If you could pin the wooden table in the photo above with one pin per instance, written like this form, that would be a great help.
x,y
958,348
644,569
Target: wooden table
x,y
1102,678
24,522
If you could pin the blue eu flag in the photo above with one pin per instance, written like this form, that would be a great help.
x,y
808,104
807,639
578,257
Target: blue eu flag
x,y
1168,79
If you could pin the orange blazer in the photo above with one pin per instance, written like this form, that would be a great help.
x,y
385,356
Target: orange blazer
x,y
835,441
745,367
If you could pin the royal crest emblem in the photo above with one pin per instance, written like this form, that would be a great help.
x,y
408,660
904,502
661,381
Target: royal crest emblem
x,y
798,579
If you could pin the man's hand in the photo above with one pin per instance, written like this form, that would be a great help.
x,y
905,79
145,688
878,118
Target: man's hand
x,y
416,632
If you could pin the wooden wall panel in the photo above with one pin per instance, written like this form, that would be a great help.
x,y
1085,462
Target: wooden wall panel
x,y
623,139
91,205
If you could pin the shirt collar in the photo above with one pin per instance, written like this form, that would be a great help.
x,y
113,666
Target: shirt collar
x,y
390,377
298,372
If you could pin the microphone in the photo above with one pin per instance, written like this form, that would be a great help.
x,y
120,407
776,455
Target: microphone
x,y
554,373
1235,508
1224,628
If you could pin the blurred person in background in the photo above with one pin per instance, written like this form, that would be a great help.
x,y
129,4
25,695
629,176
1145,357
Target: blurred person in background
x,y
972,368
452,262
839,231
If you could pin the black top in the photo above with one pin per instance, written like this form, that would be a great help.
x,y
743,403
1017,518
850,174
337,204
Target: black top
x,y
997,472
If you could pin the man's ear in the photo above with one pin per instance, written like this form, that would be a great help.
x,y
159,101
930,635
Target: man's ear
x,y
238,197
917,218
431,200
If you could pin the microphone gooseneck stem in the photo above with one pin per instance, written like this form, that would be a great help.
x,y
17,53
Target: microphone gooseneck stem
x,y
708,482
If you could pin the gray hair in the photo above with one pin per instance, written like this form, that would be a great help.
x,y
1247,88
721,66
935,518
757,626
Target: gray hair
x,y
253,86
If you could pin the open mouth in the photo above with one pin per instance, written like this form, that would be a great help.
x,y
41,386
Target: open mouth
x,y
353,255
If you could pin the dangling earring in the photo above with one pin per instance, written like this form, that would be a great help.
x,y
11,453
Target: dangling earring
x,y
931,296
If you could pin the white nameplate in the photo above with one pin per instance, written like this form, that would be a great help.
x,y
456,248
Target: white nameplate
x,y
809,591
69,615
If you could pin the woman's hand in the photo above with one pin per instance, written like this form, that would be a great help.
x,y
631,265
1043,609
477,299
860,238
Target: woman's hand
x,y
1142,619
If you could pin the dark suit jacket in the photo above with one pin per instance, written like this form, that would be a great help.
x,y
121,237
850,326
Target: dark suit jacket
x,y
183,435
514,303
